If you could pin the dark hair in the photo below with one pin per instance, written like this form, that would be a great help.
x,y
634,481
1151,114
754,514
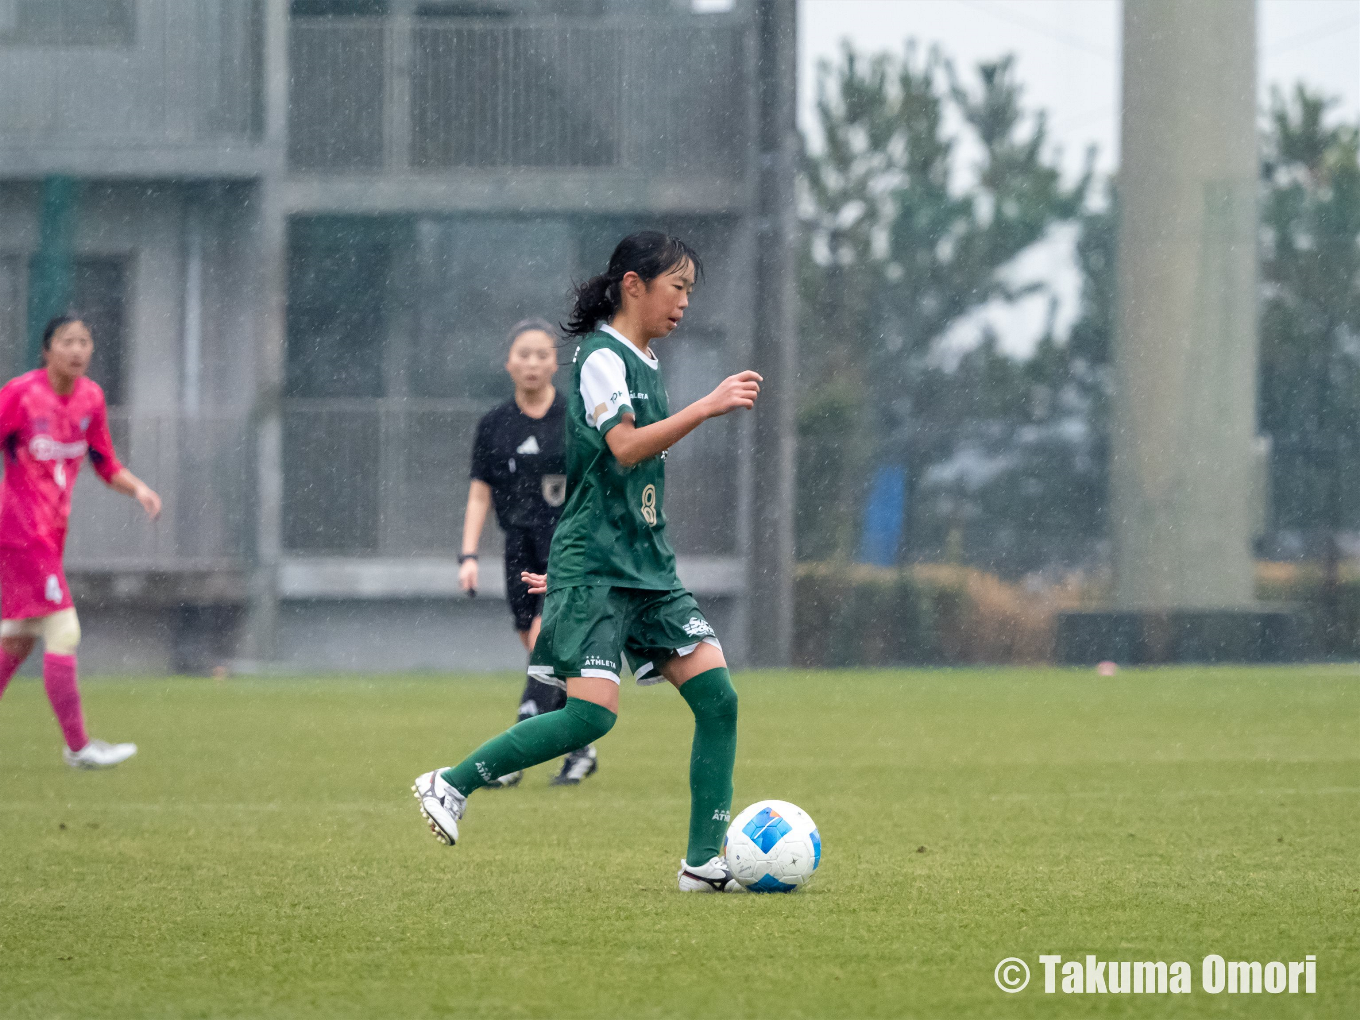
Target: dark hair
x,y
529,325
55,323
650,254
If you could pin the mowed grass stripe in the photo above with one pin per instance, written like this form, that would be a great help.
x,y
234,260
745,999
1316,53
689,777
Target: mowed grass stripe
x,y
262,856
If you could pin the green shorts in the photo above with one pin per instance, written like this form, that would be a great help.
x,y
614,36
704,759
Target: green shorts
x,y
585,628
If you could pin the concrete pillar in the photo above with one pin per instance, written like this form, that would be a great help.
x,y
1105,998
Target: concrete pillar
x,y
401,22
49,285
1185,343
775,347
270,240
192,352
263,593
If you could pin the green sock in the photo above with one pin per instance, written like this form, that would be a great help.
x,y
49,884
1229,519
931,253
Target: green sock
x,y
714,702
530,742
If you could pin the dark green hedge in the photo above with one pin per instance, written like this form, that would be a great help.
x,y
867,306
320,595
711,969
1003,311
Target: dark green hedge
x,y
853,615
936,615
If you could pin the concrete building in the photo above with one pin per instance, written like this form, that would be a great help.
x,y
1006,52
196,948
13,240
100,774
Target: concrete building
x,y
300,232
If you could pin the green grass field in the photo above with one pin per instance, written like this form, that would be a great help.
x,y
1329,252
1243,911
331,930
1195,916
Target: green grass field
x,y
263,857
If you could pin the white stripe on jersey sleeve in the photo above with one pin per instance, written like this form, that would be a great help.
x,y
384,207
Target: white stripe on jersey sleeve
x,y
604,388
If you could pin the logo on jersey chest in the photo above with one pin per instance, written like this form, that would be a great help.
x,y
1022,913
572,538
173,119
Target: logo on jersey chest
x,y
44,447
649,505
554,489
529,446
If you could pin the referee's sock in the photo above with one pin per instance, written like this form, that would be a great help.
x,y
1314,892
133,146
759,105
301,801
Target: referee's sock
x,y
539,698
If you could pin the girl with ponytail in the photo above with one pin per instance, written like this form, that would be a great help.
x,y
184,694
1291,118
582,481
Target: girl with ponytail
x,y
647,254
611,582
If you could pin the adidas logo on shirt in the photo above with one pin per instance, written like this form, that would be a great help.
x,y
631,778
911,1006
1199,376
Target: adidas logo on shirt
x,y
529,446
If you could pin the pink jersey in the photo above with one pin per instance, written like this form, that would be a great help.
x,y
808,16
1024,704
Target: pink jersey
x,y
44,438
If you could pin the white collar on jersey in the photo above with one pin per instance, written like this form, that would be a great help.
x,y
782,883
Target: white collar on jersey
x,y
650,359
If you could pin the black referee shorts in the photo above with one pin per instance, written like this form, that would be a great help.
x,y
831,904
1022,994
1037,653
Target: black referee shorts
x,y
525,549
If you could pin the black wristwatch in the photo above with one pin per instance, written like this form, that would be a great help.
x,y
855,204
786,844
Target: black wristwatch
x,y
464,557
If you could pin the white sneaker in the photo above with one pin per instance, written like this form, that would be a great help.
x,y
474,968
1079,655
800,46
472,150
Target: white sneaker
x,y
506,781
441,805
711,877
98,754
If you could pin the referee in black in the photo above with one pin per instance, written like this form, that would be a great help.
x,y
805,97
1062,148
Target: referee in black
x,y
519,466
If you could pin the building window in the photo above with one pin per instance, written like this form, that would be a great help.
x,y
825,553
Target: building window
x,y
99,294
338,283
337,310
338,8
68,22
12,340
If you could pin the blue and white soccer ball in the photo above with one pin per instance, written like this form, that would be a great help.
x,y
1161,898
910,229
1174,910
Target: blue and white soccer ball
x,y
773,846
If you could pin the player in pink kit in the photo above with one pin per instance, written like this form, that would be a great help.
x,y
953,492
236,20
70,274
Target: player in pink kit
x,y
50,419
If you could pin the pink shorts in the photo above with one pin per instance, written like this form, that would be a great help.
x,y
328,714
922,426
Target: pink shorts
x,y
32,583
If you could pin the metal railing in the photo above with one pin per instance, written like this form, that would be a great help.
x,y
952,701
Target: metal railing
x,y
203,471
528,95
389,477
337,93
361,477
658,96
192,74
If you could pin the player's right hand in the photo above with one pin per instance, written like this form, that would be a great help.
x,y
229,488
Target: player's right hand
x,y
467,576
538,583
736,391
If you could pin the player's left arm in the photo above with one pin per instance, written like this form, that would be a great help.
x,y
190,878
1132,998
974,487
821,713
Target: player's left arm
x,y
631,445
117,477
130,485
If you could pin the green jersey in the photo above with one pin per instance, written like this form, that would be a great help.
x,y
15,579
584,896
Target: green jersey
x,y
613,528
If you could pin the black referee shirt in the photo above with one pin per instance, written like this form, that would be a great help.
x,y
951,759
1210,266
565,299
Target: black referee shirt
x,y
523,459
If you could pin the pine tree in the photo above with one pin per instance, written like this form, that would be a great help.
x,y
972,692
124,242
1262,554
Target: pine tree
x,y
899,250
1309,399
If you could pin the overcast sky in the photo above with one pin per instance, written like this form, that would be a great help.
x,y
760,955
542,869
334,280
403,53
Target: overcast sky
x,y
1067,51
1067,58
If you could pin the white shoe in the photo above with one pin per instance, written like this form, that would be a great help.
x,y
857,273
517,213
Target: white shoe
x,y
711,877
98,754
506,781
441,805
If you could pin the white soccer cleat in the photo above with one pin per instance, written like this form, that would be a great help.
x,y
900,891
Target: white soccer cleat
x,y
506,781
711,877
441,805
98,754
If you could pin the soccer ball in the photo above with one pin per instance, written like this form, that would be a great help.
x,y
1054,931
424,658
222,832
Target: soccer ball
x,y
773,846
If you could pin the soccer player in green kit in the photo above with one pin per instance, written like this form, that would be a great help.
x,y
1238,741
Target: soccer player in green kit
x,y
611,581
